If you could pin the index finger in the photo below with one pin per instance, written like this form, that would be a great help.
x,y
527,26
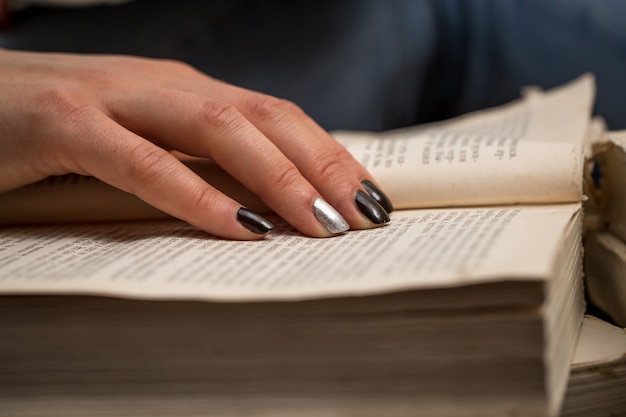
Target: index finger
x,y
104,149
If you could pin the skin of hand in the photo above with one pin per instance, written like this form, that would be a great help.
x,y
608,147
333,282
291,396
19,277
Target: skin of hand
x,y
119,118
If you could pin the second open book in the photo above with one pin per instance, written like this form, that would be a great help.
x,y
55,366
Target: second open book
x,y
468,303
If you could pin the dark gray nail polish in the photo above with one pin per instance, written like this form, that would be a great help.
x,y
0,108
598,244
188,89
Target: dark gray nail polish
x,y
368,206
254,222
376,193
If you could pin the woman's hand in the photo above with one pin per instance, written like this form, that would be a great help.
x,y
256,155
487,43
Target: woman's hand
x,y
117,118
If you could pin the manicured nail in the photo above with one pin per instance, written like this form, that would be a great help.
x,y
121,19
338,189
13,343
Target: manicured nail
x,y
376,193
329,217
254,222
368,206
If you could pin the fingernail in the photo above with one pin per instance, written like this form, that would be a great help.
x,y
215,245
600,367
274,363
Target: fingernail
x,y
376,193
368,206
329,217
254,222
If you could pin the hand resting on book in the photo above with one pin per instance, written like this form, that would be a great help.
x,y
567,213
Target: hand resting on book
x,y
118,118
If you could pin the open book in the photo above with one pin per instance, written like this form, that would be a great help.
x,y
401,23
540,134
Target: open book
x,y
469,302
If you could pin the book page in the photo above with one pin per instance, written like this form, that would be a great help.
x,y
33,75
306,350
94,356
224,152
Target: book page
x,y
530,151
598,376
599,343
419,249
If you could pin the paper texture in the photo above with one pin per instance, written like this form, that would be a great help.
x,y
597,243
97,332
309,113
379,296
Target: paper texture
x,y
530,151
420,249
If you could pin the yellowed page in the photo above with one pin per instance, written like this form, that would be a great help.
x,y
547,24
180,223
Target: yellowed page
x,y
598,379
600,343
419,249
530,151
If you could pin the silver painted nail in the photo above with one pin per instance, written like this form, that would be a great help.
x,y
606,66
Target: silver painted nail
x,y
329,217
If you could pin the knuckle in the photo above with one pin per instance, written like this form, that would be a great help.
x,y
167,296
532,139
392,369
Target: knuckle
x,y
148,164
327,169
203,201
177,67
62,106
284,177
220,116
342,154
143,65
268,107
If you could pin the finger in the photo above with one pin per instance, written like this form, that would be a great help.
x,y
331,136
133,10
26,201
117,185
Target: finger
x,y
133,164
204,127
293,131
